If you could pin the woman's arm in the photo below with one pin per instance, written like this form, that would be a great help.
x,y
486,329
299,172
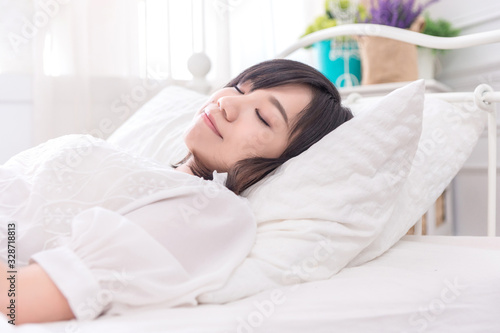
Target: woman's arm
x,y
37,298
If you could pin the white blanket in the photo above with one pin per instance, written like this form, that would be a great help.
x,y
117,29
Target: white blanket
x,y
416,286
117,232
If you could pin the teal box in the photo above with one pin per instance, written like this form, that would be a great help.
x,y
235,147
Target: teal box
x,y
340,62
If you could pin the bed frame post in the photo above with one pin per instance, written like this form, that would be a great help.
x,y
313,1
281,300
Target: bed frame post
x,y
492,171
418,228
480,100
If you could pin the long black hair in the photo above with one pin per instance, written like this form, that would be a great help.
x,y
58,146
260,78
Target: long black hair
x,y
321,116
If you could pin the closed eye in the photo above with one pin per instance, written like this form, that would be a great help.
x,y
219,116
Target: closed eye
x,y
260,117
238,90
256,110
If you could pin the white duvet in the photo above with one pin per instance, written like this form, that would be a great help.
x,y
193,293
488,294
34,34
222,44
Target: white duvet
x,y
117,232
427,285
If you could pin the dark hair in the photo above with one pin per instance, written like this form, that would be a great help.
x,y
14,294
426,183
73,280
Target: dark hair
x,y
321,116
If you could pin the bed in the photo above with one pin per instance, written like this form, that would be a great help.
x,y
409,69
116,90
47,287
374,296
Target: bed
x,y
414,287
393,282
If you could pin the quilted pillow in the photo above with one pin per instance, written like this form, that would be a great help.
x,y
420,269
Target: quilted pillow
x,y
449,134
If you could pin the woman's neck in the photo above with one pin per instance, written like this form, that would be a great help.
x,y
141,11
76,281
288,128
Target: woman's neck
x,y
184,168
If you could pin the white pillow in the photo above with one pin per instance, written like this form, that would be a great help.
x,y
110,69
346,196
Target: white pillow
x,y
156,129
449,134
318,211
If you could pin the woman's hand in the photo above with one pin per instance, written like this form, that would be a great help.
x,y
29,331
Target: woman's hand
x,y
37,298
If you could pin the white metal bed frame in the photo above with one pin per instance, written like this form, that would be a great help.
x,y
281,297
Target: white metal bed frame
x,y
483,96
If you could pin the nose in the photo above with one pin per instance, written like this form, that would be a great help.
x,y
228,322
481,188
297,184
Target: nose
x,y
229,107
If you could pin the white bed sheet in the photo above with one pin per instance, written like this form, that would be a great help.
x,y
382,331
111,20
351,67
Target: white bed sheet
x,y
422,284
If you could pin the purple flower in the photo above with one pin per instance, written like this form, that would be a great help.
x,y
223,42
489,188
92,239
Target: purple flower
x,y
396,13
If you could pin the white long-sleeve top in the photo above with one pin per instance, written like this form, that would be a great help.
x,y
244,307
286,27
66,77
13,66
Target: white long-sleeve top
x,y
116,231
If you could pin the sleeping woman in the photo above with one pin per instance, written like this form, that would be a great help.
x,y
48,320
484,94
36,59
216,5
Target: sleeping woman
x,y
97,230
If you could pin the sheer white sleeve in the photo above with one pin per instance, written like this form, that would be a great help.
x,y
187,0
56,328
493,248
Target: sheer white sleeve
x,y
116,231
112,263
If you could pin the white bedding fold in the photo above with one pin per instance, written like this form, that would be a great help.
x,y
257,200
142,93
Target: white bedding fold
x,y
115,231
414,287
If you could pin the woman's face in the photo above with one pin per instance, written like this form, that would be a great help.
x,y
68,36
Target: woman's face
x,y
237,123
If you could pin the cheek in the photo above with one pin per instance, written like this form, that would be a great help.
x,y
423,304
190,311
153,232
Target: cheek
x,y
263,143
192,135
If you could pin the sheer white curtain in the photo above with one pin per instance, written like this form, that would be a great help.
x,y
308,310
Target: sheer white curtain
x,y
97,61
260,29
87,67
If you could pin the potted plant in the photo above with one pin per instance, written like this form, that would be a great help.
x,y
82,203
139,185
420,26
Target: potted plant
x,y
338,58
386,60
427,58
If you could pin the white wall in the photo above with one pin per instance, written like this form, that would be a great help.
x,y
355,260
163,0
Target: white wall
x,y
16,109
16,97
463,70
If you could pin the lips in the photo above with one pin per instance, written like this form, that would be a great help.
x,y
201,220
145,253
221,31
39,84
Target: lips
x,y
209,120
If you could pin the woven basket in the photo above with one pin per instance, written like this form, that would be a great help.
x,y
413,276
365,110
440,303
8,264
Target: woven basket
x,y
386,60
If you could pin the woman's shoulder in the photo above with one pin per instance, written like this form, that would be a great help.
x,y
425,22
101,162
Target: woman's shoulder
x,y
215,192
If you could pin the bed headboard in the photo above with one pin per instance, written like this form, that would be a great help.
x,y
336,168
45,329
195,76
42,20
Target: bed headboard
x,y
483,96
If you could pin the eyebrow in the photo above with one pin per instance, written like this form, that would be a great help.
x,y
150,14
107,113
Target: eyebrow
x,y
280,107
